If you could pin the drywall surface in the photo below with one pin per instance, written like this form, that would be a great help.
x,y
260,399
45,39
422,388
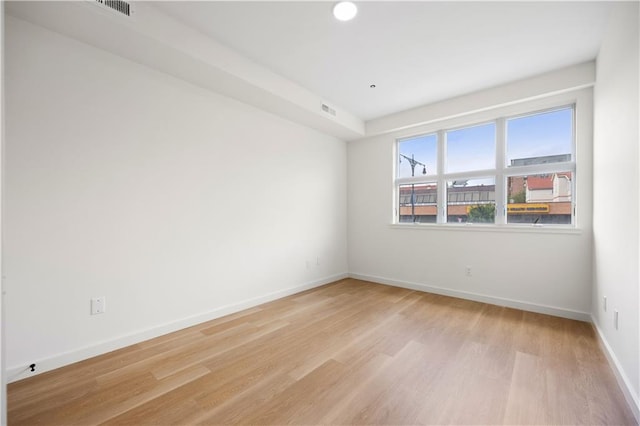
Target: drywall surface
x,y
569,78
155,39
530,268
615,215
174,203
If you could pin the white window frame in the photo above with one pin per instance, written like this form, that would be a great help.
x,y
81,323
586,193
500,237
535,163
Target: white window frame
x,y
502,172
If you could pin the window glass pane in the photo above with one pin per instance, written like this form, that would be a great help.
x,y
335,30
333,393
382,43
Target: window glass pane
x,y
540,199
471,148
418,203
423,151
472,200
540,138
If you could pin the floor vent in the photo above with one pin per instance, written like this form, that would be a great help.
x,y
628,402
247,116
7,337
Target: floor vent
x,y
119,6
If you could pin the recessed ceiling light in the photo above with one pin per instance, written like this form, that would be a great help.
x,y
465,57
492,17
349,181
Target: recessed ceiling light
x,y
345,11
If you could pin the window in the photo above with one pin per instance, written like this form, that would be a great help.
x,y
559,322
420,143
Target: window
x,y
422,147
471,148
418,203
540,138
540,199
471,200
516,170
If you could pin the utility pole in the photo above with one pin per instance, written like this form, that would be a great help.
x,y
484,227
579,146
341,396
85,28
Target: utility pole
x,y
413,164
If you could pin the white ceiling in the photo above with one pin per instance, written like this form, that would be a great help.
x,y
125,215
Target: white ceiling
x,y
414,52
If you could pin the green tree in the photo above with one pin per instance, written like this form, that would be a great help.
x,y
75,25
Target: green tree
x,y
519,197
482,213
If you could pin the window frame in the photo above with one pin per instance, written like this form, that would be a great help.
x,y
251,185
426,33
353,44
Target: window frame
x,y
501,172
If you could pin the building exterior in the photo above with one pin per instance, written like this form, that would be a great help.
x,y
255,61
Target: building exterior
x,y
535,199
560,158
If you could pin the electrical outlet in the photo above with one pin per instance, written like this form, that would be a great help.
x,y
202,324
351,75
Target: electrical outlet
x,y
467,271
604,303
615,319
98,305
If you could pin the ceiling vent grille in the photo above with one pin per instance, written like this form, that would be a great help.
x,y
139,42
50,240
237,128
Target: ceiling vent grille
x,y
120,6
326,108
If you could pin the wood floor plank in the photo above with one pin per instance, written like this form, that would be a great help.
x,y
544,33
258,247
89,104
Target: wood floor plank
x,y
297,403
93,416
234,410
89,409
350,387
351,352
388,399
527,400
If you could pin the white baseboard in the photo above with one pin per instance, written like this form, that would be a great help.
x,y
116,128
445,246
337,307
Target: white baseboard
x,y
623,380
50,363
493,300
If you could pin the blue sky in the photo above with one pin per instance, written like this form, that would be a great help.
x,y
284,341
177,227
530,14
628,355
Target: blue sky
x,y
423,148
473,148
541,134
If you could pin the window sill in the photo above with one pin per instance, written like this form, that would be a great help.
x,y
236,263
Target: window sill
x,y
526,229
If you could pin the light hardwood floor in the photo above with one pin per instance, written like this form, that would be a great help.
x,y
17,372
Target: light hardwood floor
x,y
346,353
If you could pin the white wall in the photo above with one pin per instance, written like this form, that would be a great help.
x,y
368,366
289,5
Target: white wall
x,y
533,269
175,203
616,221
164,43
3,387
569,78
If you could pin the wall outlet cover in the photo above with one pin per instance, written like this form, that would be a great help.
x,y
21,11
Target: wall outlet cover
x,y
98,305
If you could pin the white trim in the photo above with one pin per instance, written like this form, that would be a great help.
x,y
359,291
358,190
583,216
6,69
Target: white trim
x,y
525,228
20,372
493,300
623,381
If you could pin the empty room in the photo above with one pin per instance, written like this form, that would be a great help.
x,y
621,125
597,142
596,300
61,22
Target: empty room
x,y
320,212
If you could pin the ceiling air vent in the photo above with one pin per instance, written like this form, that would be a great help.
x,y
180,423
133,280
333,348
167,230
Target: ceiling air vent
x,y
328,109
119,6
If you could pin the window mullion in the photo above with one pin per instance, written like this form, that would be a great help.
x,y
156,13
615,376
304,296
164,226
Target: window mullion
x,y
442,184
501,192
416,179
